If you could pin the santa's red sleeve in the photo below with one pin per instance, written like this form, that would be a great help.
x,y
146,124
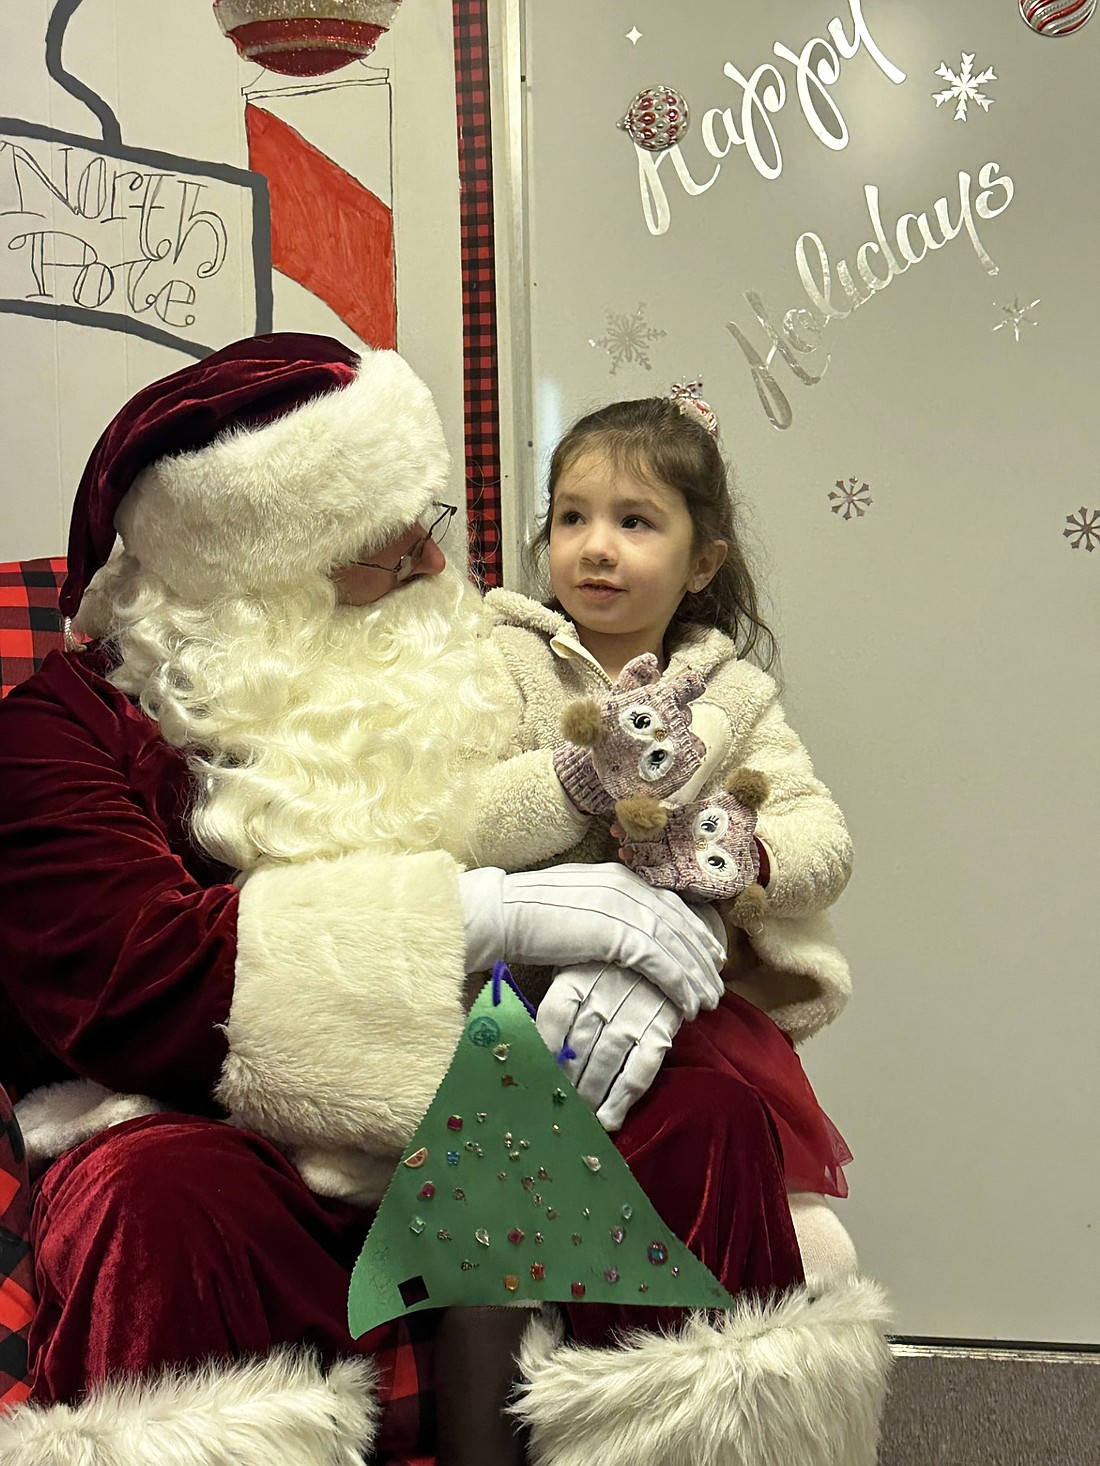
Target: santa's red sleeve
x,y
318,1004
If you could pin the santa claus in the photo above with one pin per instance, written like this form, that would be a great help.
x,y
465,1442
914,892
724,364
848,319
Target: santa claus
x,y
236,937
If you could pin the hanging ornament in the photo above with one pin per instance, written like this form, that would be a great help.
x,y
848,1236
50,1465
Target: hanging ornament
x,y
305,37
656,119
1056,17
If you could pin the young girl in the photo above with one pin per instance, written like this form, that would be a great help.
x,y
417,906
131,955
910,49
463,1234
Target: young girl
x,y
644,557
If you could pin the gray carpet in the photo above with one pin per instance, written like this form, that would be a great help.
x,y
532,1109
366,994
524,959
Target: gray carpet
x,y
975,1407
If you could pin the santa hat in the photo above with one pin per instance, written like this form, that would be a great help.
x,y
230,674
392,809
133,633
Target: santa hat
x,y
270,461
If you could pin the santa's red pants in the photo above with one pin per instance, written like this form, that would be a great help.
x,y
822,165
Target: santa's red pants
x,y
171,1239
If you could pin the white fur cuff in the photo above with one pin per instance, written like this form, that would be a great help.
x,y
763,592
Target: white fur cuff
x,y
58,1116
278,1409
346,1009
800,1383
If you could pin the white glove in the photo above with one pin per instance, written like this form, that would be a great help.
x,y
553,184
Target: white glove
x,y
715,925
592,913
618,1025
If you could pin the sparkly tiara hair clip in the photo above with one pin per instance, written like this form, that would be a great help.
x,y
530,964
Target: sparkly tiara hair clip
x,y
687,396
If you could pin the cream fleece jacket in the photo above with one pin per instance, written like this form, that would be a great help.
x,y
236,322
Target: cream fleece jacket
x,y
792,966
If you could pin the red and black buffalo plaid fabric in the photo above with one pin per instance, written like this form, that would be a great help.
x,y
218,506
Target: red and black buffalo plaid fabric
x,y
479,287
406,1393
30,623
16,1272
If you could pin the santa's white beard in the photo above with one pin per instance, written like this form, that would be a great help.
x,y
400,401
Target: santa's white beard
x,y
314,729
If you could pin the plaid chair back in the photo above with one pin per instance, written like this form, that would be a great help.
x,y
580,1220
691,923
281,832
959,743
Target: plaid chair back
x,y
16,1272
30,627
30,622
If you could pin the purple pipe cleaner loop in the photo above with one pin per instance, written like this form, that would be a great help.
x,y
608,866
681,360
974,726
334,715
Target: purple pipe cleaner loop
x,y
501,973
565,1055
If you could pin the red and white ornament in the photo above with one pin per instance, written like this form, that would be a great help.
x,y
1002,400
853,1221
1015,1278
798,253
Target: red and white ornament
x,y
1056,17
656,119
305,37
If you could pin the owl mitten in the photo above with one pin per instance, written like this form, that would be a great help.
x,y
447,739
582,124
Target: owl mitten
x,y
706,850
638,742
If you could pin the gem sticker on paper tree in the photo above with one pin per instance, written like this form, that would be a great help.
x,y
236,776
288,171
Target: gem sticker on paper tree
x,y
656,119
545,1208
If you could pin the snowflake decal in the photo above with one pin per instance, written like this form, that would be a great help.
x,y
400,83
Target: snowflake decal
x,y
965,86
1017,316
851,498
1084,529
627,339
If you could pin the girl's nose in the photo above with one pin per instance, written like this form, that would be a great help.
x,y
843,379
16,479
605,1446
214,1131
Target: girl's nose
x,y
599,544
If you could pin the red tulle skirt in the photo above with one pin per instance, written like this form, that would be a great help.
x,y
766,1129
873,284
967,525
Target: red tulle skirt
x,y
737,1038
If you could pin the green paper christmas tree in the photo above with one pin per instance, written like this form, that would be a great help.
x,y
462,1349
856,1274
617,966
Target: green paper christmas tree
x,y
511,1189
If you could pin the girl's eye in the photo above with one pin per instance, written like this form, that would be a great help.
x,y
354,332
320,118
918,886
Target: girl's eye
x,y
635,521
569,516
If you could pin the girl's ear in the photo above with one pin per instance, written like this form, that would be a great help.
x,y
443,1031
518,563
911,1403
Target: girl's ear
x,y
708,562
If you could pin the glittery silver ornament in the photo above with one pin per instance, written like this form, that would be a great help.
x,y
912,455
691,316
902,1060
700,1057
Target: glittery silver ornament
x,y
305,37
656,119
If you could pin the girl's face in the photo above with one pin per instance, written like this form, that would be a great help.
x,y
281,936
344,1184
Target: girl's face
x,y
621,558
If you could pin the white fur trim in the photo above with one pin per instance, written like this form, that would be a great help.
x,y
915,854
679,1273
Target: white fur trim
x,y
266,508
280,1409
346,1010
58,1116
800,1383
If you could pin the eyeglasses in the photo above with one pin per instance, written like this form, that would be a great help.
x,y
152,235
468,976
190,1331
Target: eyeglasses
x,y
407,566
